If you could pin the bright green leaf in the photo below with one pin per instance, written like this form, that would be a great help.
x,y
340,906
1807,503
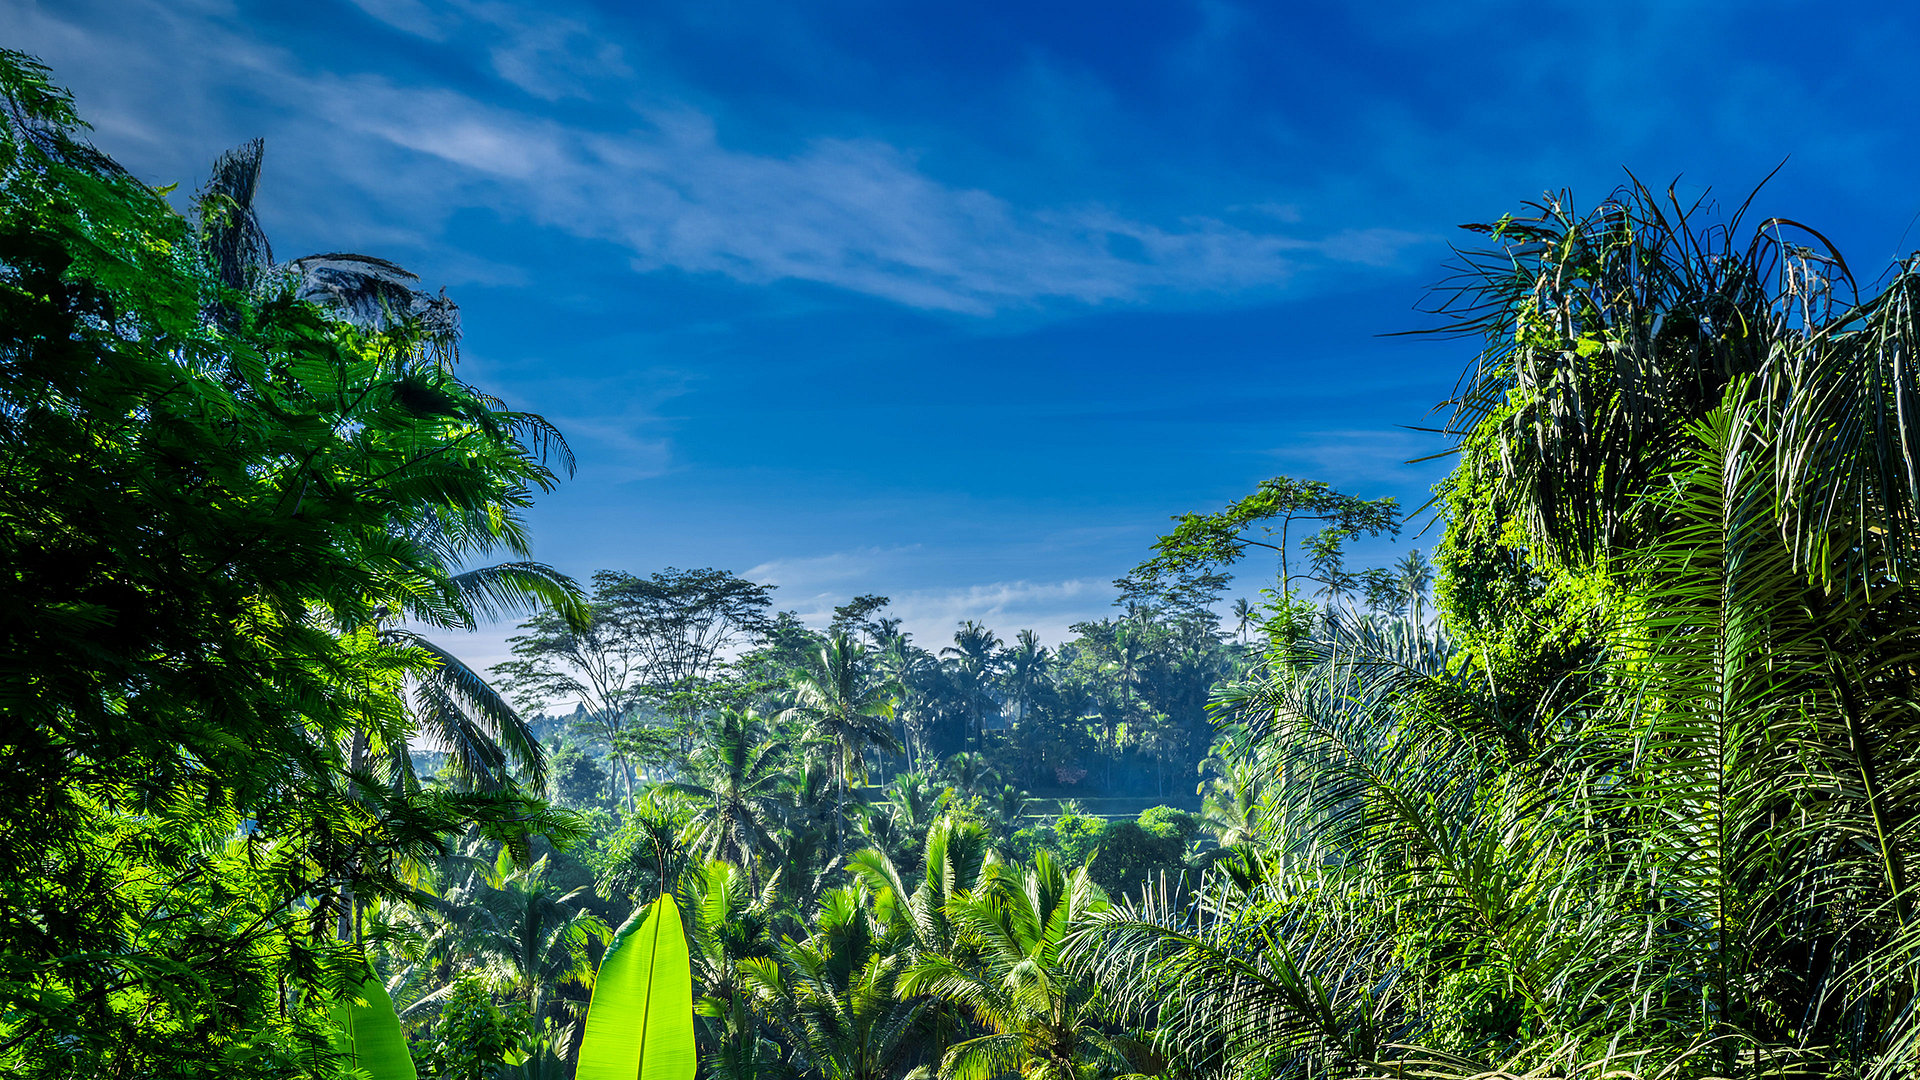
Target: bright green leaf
x,y
369,1034
640,1019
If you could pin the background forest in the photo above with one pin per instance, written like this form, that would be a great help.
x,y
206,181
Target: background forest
x,y
1625,783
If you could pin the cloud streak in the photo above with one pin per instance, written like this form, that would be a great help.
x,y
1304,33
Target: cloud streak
x,y
664,184
812,586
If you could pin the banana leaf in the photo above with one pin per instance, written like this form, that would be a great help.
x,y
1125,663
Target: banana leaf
x,y
369,1035
640,1018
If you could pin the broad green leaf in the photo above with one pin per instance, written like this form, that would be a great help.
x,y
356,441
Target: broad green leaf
x,y
369,1034
640,1018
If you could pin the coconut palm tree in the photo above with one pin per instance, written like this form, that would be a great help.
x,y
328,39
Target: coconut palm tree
x,y
730,923
367,291
535,937
956,855
1232,794
906,666
1242,616
739,778
1413,577
843,705
975,656
968,772
1011,978
1025,666
912,805
916,905
810,855
832,997
453,707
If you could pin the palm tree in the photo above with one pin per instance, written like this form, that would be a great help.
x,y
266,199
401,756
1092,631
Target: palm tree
x,y
832,998
968,772
903,665
739,778
1242,615
976,658
953,862
1012,980
1126,647
537,938
731,923
1414,577
913,801
1232,799
809,856
1009,807
1025,665
368,291
452,705
849,710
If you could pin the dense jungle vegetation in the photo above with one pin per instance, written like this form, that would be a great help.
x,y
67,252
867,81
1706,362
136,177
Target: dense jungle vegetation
x,y
1625,783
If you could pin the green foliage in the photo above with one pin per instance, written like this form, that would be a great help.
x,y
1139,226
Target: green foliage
x,y
1655,798
644,855
472,1038
1171,824
210,503
1219,539
831,997
369,1032
1011,979
640,1020
575,779
1133,855
1077,837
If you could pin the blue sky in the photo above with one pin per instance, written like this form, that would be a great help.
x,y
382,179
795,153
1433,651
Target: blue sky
x,y
959,303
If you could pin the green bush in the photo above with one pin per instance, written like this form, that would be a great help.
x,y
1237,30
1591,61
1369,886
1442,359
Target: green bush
x,y
1077,837
1166,822
473,1037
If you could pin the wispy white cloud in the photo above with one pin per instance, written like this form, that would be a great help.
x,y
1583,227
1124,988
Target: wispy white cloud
x,y
547,55
812,586
855,213
814,573
1049,608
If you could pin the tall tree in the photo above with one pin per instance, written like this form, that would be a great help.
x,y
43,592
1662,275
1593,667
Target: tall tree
x,y
1025,666
840,701
857,616
683,620
740,779
976,659
1221,538
598,662
653,638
